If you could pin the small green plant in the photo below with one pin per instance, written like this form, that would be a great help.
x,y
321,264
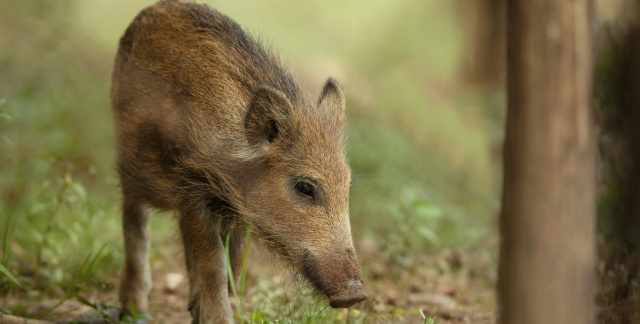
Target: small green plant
x,y
427,320
417,225
135,316
101,307
106,311
77,284
13,280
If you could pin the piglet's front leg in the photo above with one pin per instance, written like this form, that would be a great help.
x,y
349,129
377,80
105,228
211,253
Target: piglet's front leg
x,y
206,265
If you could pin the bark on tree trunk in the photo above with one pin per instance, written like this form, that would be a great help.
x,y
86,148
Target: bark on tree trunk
x,y
547,250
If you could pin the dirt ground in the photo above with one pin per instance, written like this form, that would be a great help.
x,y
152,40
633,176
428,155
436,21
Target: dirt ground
x,y
450,300
396,294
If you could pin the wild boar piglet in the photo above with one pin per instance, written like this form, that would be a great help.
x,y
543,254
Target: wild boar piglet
x,y
211,125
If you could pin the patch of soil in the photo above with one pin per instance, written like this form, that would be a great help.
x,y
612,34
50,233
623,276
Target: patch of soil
x,y
395,296
450,298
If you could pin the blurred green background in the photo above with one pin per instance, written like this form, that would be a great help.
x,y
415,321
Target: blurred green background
x,y
424,147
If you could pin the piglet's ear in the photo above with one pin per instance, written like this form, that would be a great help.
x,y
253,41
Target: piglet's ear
x,y
268,115
332,101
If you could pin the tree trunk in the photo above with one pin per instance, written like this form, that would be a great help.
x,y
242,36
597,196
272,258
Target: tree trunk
x,y
485,22
547,223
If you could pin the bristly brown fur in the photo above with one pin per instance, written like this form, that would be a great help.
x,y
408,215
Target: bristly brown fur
x,y
211,125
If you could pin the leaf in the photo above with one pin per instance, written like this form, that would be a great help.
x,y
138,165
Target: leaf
x,y
79,189
9,274
134,312
425,209
145,317
102,305
428,235
256,317
38,208
86,302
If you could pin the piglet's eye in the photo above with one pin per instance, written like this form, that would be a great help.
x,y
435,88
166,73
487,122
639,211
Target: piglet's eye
x,y
306,189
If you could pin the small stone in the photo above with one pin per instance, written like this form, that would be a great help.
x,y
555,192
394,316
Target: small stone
x,y
443,301
173,281
380,307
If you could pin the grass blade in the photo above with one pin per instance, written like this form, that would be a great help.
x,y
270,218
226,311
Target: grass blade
x,y
245,259
5,239
232,282
9,274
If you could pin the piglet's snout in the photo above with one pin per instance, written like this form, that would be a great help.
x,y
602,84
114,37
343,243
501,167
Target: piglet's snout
x,y
352,295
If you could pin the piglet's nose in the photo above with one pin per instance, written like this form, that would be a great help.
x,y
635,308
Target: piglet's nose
x,y
353,294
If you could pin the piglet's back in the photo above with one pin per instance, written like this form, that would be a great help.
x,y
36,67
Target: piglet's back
x,y
187,55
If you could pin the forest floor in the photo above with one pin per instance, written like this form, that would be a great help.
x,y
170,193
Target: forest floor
x,y
396,295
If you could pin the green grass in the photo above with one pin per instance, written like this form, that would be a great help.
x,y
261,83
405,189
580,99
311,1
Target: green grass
x,y
425,177
294,303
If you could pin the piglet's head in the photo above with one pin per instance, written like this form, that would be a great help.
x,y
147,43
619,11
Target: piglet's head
x,y
298,190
